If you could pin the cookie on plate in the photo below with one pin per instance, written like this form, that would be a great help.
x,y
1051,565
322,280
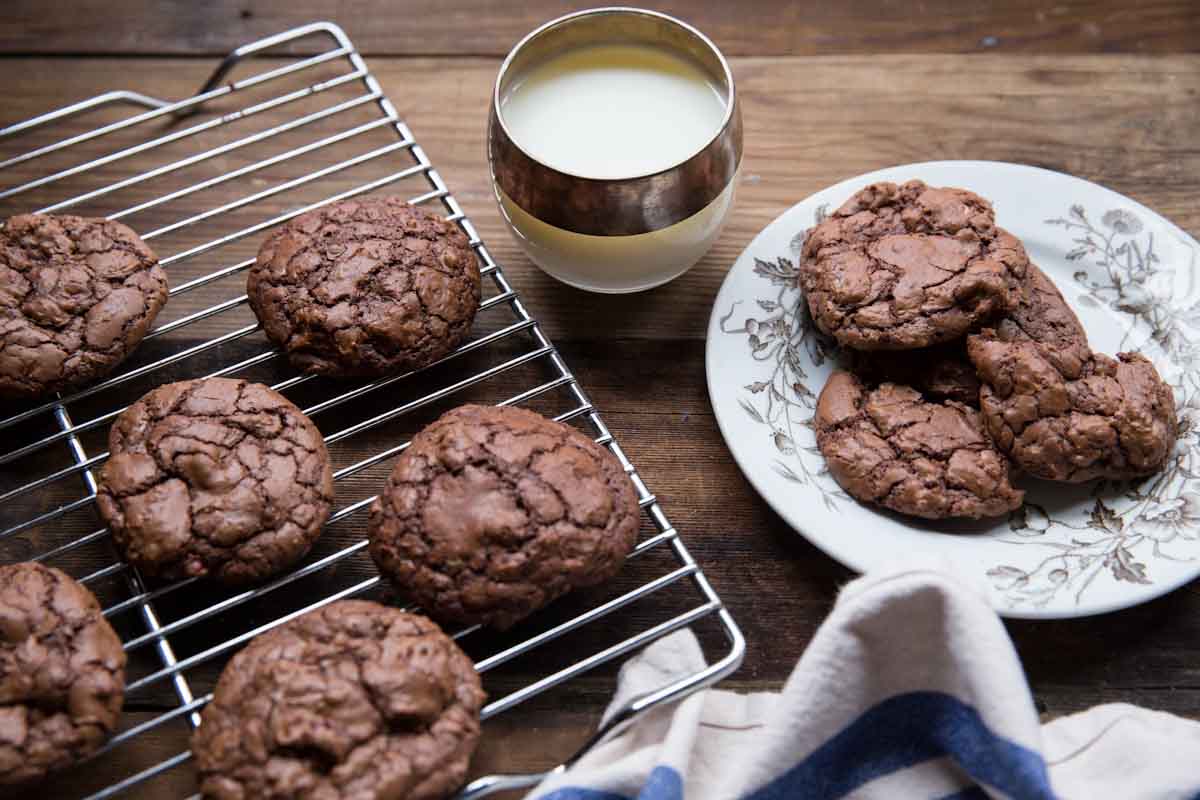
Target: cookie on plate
x,y
1114,419
1043,316
76,297
365,287
62,672
353,700
908,266
493,512
941,372
215,477
894,448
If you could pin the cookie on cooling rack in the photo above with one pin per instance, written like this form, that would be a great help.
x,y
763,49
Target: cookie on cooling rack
x,y
908,266
353,700
892,447
365,287
62,672
216,477
76,297
493,512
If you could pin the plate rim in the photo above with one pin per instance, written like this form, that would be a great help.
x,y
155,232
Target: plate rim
x,y
839,554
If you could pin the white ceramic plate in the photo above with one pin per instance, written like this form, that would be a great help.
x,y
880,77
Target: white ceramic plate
x,y
1072,551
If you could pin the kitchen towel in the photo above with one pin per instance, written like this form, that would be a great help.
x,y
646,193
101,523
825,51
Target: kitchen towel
x,y
910,689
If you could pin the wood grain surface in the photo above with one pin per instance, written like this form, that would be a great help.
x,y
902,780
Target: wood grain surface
x,y
491,27
1106,91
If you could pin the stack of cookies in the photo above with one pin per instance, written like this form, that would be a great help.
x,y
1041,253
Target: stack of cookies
x,y
963,361
489,514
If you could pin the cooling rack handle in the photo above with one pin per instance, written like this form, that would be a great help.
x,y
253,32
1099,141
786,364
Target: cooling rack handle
x,y
330,29
483,787
491,784
133,98
235,57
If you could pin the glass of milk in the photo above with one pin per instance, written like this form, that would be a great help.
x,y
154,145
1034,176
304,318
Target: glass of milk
x,y
614,143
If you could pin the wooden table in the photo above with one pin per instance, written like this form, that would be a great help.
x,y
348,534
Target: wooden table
x,y
1105,90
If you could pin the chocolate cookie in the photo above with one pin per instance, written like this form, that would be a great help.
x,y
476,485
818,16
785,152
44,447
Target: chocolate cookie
x,y
365,287
492,513
76,297
355,700
941,372
215,477
62,672
1115,419
891,447
1043,316
902,267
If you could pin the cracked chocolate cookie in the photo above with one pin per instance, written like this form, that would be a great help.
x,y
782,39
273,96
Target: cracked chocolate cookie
x,y
353,701
902,267
491,513
1043,316
76,297
941,372
1114,419
216,477
892,447
62,672
365,287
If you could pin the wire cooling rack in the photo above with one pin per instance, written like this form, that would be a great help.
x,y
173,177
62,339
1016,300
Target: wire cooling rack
x,y
269,147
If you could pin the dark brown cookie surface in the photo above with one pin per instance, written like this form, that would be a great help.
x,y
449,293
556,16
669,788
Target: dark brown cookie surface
x,y
908,266
1043,316
76,297
1116,419
215,477
62,672
941,372
365,287
492,513
353,701
892,447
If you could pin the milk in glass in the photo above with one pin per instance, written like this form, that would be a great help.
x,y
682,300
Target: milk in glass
x,y
615,111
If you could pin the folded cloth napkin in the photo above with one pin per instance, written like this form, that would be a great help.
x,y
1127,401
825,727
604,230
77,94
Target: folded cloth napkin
x,y
910,689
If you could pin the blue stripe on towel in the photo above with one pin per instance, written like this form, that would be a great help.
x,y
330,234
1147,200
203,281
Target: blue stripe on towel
x,y
899,733
906,730
663,783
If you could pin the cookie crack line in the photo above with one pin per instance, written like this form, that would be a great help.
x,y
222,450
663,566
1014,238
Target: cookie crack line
x,y
897,272
387,684
893,461
366,287
230,493
64,692
78,296
546,514
512,475
853,289
1074,429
